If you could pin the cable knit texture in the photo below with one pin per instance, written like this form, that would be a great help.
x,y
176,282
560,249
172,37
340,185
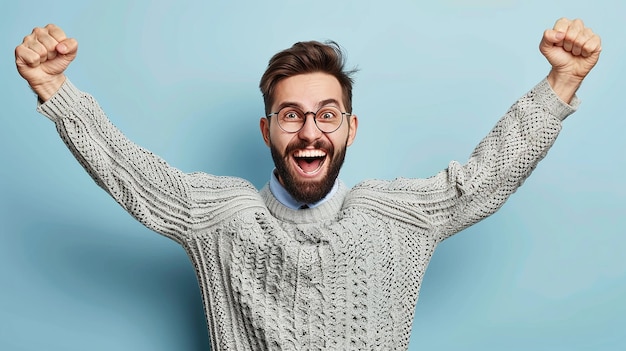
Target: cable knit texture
x,y
343,276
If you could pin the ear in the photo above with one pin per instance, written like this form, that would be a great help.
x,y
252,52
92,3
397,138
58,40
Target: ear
x,y
264,124
354,123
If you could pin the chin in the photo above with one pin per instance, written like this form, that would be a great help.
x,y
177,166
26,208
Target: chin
x,y
308,182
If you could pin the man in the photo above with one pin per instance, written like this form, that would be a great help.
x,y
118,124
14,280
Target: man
x,y
307,263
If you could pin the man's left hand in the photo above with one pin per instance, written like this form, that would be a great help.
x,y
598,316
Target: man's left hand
x,y
573,50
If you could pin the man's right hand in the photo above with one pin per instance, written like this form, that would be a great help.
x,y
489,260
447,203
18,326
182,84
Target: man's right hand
x,y
42,58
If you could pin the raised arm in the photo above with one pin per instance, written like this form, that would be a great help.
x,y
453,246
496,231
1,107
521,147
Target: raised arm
x,y
509,153
161,197
464,194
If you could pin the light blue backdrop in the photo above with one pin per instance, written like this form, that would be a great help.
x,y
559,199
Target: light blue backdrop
x,y
548,272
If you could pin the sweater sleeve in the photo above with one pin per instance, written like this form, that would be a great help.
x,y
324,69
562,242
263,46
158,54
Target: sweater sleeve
x,y
462,195
161,197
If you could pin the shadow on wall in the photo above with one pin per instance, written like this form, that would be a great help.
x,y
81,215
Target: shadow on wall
x,y
142,281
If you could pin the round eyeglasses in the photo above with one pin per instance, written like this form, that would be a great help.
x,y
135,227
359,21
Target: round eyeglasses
x,y
291,119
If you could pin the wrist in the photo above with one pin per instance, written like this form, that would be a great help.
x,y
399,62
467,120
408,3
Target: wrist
x,y
564,85
46,89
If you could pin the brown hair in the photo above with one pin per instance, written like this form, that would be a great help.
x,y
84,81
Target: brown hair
x,y
307,57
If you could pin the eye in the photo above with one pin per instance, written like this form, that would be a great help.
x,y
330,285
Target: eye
x,y
327,115
290,116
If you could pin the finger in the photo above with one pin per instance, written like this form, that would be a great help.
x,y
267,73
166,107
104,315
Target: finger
x,y
35,46
551,38
42,36
572,33
56,32
26,55
582,38
562,24
67,47
592,47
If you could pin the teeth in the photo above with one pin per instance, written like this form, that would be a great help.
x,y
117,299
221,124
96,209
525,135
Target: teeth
x,y
309,153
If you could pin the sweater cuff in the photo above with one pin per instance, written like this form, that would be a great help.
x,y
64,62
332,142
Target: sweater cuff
x,y
545,96
56,107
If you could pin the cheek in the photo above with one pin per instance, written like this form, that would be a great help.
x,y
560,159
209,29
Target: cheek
x,y
279,142
340,142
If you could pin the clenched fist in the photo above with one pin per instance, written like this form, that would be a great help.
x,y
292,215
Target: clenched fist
x,y
573,50
42,58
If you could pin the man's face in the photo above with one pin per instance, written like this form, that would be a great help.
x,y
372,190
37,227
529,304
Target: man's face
x,y
308,161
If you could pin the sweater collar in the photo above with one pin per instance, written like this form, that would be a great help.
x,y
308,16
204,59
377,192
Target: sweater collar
x,y
328,209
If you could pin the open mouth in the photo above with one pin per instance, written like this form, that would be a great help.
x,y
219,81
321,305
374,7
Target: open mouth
x,y
309,161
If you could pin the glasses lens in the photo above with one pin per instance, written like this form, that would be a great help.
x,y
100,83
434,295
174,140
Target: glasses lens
x,y
291,120
328,119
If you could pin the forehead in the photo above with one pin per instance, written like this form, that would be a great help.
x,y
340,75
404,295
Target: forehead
x,y
307,90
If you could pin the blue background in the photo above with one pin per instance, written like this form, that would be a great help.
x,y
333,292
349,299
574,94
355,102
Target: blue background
x,y
547,272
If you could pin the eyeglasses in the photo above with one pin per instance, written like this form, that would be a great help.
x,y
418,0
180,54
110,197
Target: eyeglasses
x,y
291,119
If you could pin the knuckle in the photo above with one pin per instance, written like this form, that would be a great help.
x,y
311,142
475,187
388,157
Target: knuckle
x,y
38,31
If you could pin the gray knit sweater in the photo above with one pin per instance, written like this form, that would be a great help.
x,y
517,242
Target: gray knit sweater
x,y
343,276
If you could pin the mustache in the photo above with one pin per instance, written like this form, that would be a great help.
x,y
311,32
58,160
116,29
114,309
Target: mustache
x,y
302,144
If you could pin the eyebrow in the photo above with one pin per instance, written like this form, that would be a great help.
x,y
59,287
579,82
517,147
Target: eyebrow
x,y
298,105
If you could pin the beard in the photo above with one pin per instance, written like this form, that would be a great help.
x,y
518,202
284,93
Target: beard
x,y
308,191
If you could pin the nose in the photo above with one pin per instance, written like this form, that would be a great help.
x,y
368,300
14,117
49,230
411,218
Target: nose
x,y
309,131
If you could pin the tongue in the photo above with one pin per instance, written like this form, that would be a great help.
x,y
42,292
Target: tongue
x,y
309,164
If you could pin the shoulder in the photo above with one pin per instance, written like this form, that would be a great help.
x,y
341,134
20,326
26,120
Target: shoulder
x,y
201,180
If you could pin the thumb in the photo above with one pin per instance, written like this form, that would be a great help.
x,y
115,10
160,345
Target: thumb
x,y
551,38
67,47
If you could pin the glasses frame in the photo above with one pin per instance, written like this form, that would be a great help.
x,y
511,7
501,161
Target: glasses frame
x,y
343,114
